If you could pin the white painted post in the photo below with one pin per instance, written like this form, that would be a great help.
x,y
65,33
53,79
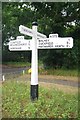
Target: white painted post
x,y
34,73
3,78
23,72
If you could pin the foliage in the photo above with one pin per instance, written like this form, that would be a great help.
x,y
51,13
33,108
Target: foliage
x,y
62,18
52,103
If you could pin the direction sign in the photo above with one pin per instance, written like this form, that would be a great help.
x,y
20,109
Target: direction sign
x,y
40,35
53,35
20,38
20,45
50,43
27,31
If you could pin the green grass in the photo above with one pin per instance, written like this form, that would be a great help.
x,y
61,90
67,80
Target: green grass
x,y
17,64
52,103
59,72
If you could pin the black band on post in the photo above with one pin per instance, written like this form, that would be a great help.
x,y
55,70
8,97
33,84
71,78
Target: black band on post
x,y
34,92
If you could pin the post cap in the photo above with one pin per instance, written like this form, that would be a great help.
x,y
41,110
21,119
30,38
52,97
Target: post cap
x,y
35,23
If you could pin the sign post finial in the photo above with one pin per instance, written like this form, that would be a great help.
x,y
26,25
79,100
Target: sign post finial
x,y
35,24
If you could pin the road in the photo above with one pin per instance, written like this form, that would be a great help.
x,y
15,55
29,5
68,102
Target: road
x,y
9,70
61,82
6,70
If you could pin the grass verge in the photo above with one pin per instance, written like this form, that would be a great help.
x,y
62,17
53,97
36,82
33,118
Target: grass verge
x,y
17,64
52,103
59,72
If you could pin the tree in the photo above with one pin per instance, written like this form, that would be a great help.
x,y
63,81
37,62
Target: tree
x,y
14,14
62,18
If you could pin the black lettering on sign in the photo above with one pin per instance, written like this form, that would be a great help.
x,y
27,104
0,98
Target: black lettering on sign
x,y
29,43
51,44
45,42
28,47
15,48
67,46
56,45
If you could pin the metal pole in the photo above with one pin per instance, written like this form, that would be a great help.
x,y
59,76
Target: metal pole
x,y
34,73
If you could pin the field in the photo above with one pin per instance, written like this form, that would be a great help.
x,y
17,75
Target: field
x,y
55,101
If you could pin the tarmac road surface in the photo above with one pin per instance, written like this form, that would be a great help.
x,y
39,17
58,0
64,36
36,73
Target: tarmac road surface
x,y
62,82
6,70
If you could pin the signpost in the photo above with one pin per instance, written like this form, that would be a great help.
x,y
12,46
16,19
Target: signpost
x,y
20,45
50,43
39,41
27,31
53,35
34,73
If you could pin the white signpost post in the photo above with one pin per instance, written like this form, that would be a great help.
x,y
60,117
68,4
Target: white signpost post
x,y
38,41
